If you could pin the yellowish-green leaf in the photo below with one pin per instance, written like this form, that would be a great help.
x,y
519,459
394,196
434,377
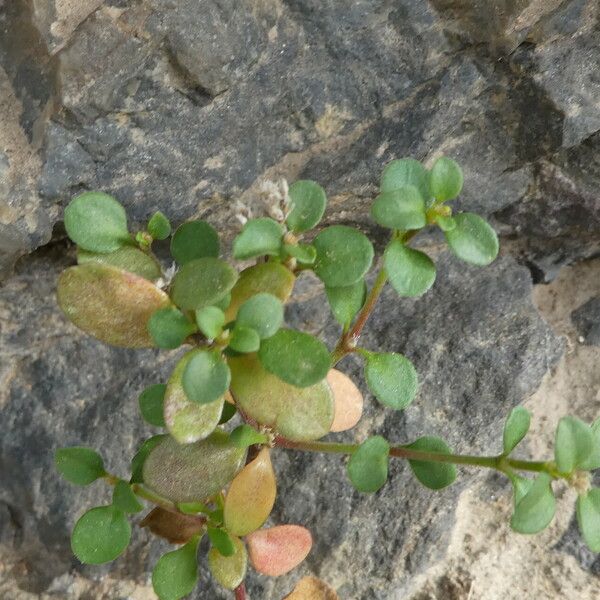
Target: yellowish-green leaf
x,y
229,571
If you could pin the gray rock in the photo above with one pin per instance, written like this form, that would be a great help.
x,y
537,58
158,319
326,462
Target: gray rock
x,y
587,321
476,340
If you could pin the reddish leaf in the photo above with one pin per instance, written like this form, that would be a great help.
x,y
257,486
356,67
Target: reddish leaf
x,y
347,399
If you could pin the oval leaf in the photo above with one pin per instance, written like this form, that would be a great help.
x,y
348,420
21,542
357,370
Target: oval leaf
x,y
391,378
205,377
244,340
410,271
229,571
434,475
298,414
312,588
515,428
473,239
445,179
176,573
202,282
251,496
348,401
403,208
593,460
345,302
188,421
406,171
272,277
128,258
100,535
110,304
368,466
159,226
278,550
259,237
210,320
574,443
96,222
173,527
151,402
80,466
263,313
308,205
192,472
295,357
344,255
534,511
588,518
169,328
193,240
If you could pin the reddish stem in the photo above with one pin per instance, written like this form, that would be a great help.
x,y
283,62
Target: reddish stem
x,y
240,592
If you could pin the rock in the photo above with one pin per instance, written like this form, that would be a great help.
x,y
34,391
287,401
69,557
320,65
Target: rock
x,y
587,321
476,340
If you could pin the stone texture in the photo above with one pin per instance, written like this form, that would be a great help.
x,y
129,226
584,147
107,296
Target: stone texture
x,y
186,106
587,320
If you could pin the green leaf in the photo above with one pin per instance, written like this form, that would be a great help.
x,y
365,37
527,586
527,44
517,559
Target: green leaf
x,y
193,240
588,518
229,571
244,436
391,378
151,402
263,313
192,472
259,237
406,171
202,282
368,466
128,258
434,475
159,226
220,540
411,272
124,498
308,205
515,428
137,462
295,357
534,511
574,444
100,535
403,208
445,223
305,254
344,255
80,466
445,179
228,413
244,339
110,304
189,421
210,320
298,414
96,222
169,328
593,460
473,239
346,302
176,573
206,377
266,277
521,486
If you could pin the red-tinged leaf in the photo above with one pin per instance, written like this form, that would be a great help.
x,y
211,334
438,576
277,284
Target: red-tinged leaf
x,y
347,399
311,588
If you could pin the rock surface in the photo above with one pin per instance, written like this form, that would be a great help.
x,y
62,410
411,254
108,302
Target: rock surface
x,y
186,106
587,320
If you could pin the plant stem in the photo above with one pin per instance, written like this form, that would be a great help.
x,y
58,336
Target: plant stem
x,y
499,463
240,592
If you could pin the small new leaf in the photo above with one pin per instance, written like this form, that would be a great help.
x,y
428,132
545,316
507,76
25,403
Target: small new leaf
x,y
159,227
391,378
515,428
244,339
368,466
295,357
176,573
434,475
445,179
210,320
244,436
124,498
263,313
80,466
259,237
574,444
534,511
195,239
308,205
